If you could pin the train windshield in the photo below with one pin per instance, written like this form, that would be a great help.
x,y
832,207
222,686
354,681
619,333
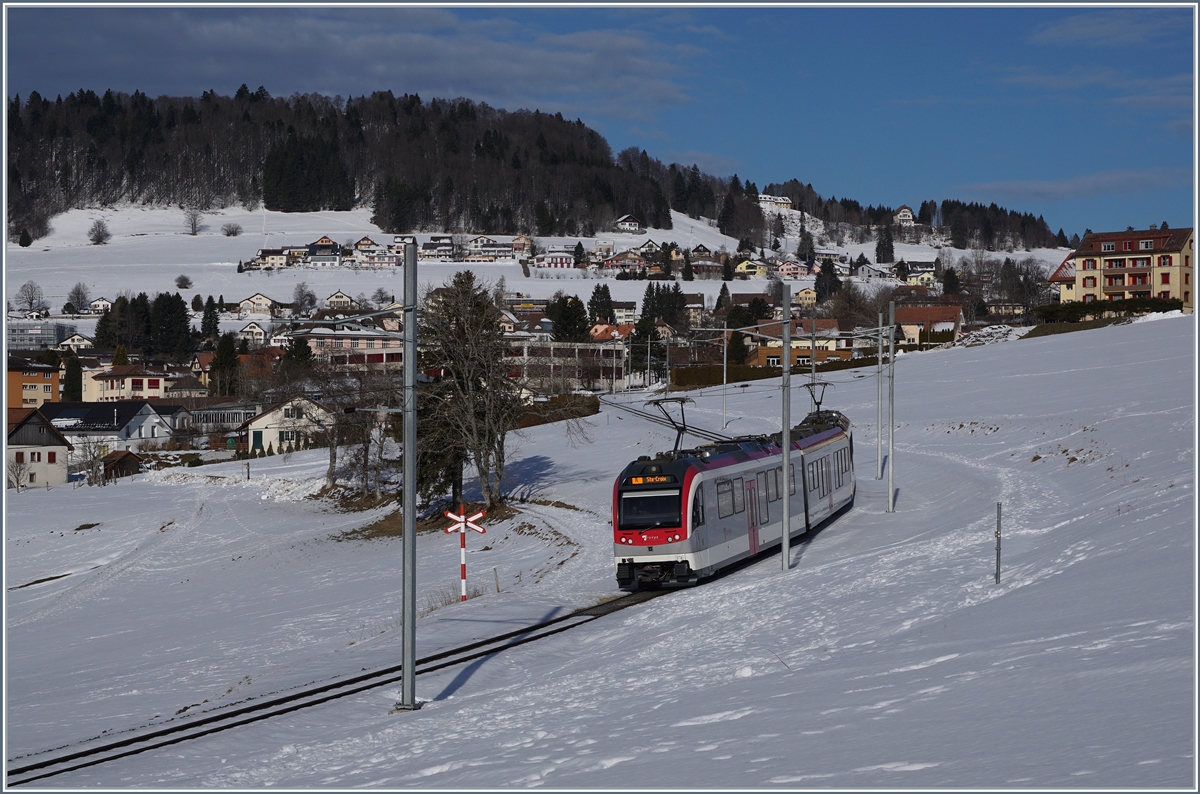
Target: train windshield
x,y
650,509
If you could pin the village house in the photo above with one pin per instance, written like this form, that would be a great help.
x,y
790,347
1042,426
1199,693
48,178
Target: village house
x,y
99,306
625,312
628,223
77,342
258,304
903,216
626,260
324,253
272,257
99,428
1062,280
791,269
31,383
291,424
37,453
1148,263
555,259
774,202
340,300
919,323
254,334
522,246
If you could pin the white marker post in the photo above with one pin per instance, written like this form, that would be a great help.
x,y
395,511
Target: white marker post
x,y
463,522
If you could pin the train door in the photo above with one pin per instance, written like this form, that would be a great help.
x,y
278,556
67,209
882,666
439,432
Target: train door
x,y
752,519
764,497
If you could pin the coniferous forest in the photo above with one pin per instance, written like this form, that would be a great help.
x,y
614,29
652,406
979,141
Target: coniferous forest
x,y
438,165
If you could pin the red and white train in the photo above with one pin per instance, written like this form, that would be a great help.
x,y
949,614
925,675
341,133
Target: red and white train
x,y
686,514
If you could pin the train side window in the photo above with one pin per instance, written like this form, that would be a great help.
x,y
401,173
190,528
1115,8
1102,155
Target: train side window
x,y
739,495
813,484
772,485
791,479
724,499
698,506
837,468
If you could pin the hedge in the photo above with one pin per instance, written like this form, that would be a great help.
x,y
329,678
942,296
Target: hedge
x,y
1075,311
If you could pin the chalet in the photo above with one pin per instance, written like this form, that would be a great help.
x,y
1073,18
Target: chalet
x,y
99,306
791,269
340,300
869,272
257,304
324,253
919,323
903,216
77,342
602,250
522,246
647,249
626,260
272,257
701,251
289,424
366,244
628,223
440,248
752,267
253,333
130,382
37,451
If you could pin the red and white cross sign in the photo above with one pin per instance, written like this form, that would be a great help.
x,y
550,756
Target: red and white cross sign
x,y
463,522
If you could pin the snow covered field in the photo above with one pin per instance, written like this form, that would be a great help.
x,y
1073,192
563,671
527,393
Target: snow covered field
x,y
885,657
150,248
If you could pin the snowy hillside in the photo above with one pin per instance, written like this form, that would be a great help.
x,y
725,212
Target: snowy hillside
x,y
150,248
885,657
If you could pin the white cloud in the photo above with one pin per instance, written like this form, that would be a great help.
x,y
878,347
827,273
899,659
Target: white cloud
x,y
1127,28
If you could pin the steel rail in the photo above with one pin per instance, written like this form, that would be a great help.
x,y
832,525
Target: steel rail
x,y
198,727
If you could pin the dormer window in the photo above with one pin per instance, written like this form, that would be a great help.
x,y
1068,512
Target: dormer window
x,y
1146,245
1108,246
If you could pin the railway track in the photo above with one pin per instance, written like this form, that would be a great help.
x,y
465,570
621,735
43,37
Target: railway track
x,y
233,716
706,435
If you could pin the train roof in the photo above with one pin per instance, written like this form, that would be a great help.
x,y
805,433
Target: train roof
x,y
813,424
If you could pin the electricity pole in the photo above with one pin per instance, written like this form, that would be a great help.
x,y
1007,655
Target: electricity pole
x,y
408,684
879,402
786,436
891,405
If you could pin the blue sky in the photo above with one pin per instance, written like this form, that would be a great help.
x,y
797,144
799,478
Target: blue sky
x,y
1082,115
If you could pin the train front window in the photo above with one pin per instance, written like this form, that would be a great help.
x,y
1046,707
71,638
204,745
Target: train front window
x,y
650,509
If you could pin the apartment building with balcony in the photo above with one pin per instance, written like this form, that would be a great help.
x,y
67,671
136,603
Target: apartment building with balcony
x,y
1147,263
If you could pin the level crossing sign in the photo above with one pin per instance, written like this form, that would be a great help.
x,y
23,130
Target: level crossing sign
x,y
461,522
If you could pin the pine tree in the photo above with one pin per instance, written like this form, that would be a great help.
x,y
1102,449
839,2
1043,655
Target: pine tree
x,y
600,305
579,255
727,270
736,351
828,282
25,240
73,380
950,282
209,322
224,369
688,275
722,298
883,246
120,357
197,303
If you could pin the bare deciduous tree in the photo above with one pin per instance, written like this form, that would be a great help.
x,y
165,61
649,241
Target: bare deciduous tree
x,y
191,220
79,297
30,297
18,473
183,282
231,229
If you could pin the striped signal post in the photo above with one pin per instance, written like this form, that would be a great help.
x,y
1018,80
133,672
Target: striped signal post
x,y
461,523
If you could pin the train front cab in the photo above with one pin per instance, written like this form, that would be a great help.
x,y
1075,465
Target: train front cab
x,y
652,544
